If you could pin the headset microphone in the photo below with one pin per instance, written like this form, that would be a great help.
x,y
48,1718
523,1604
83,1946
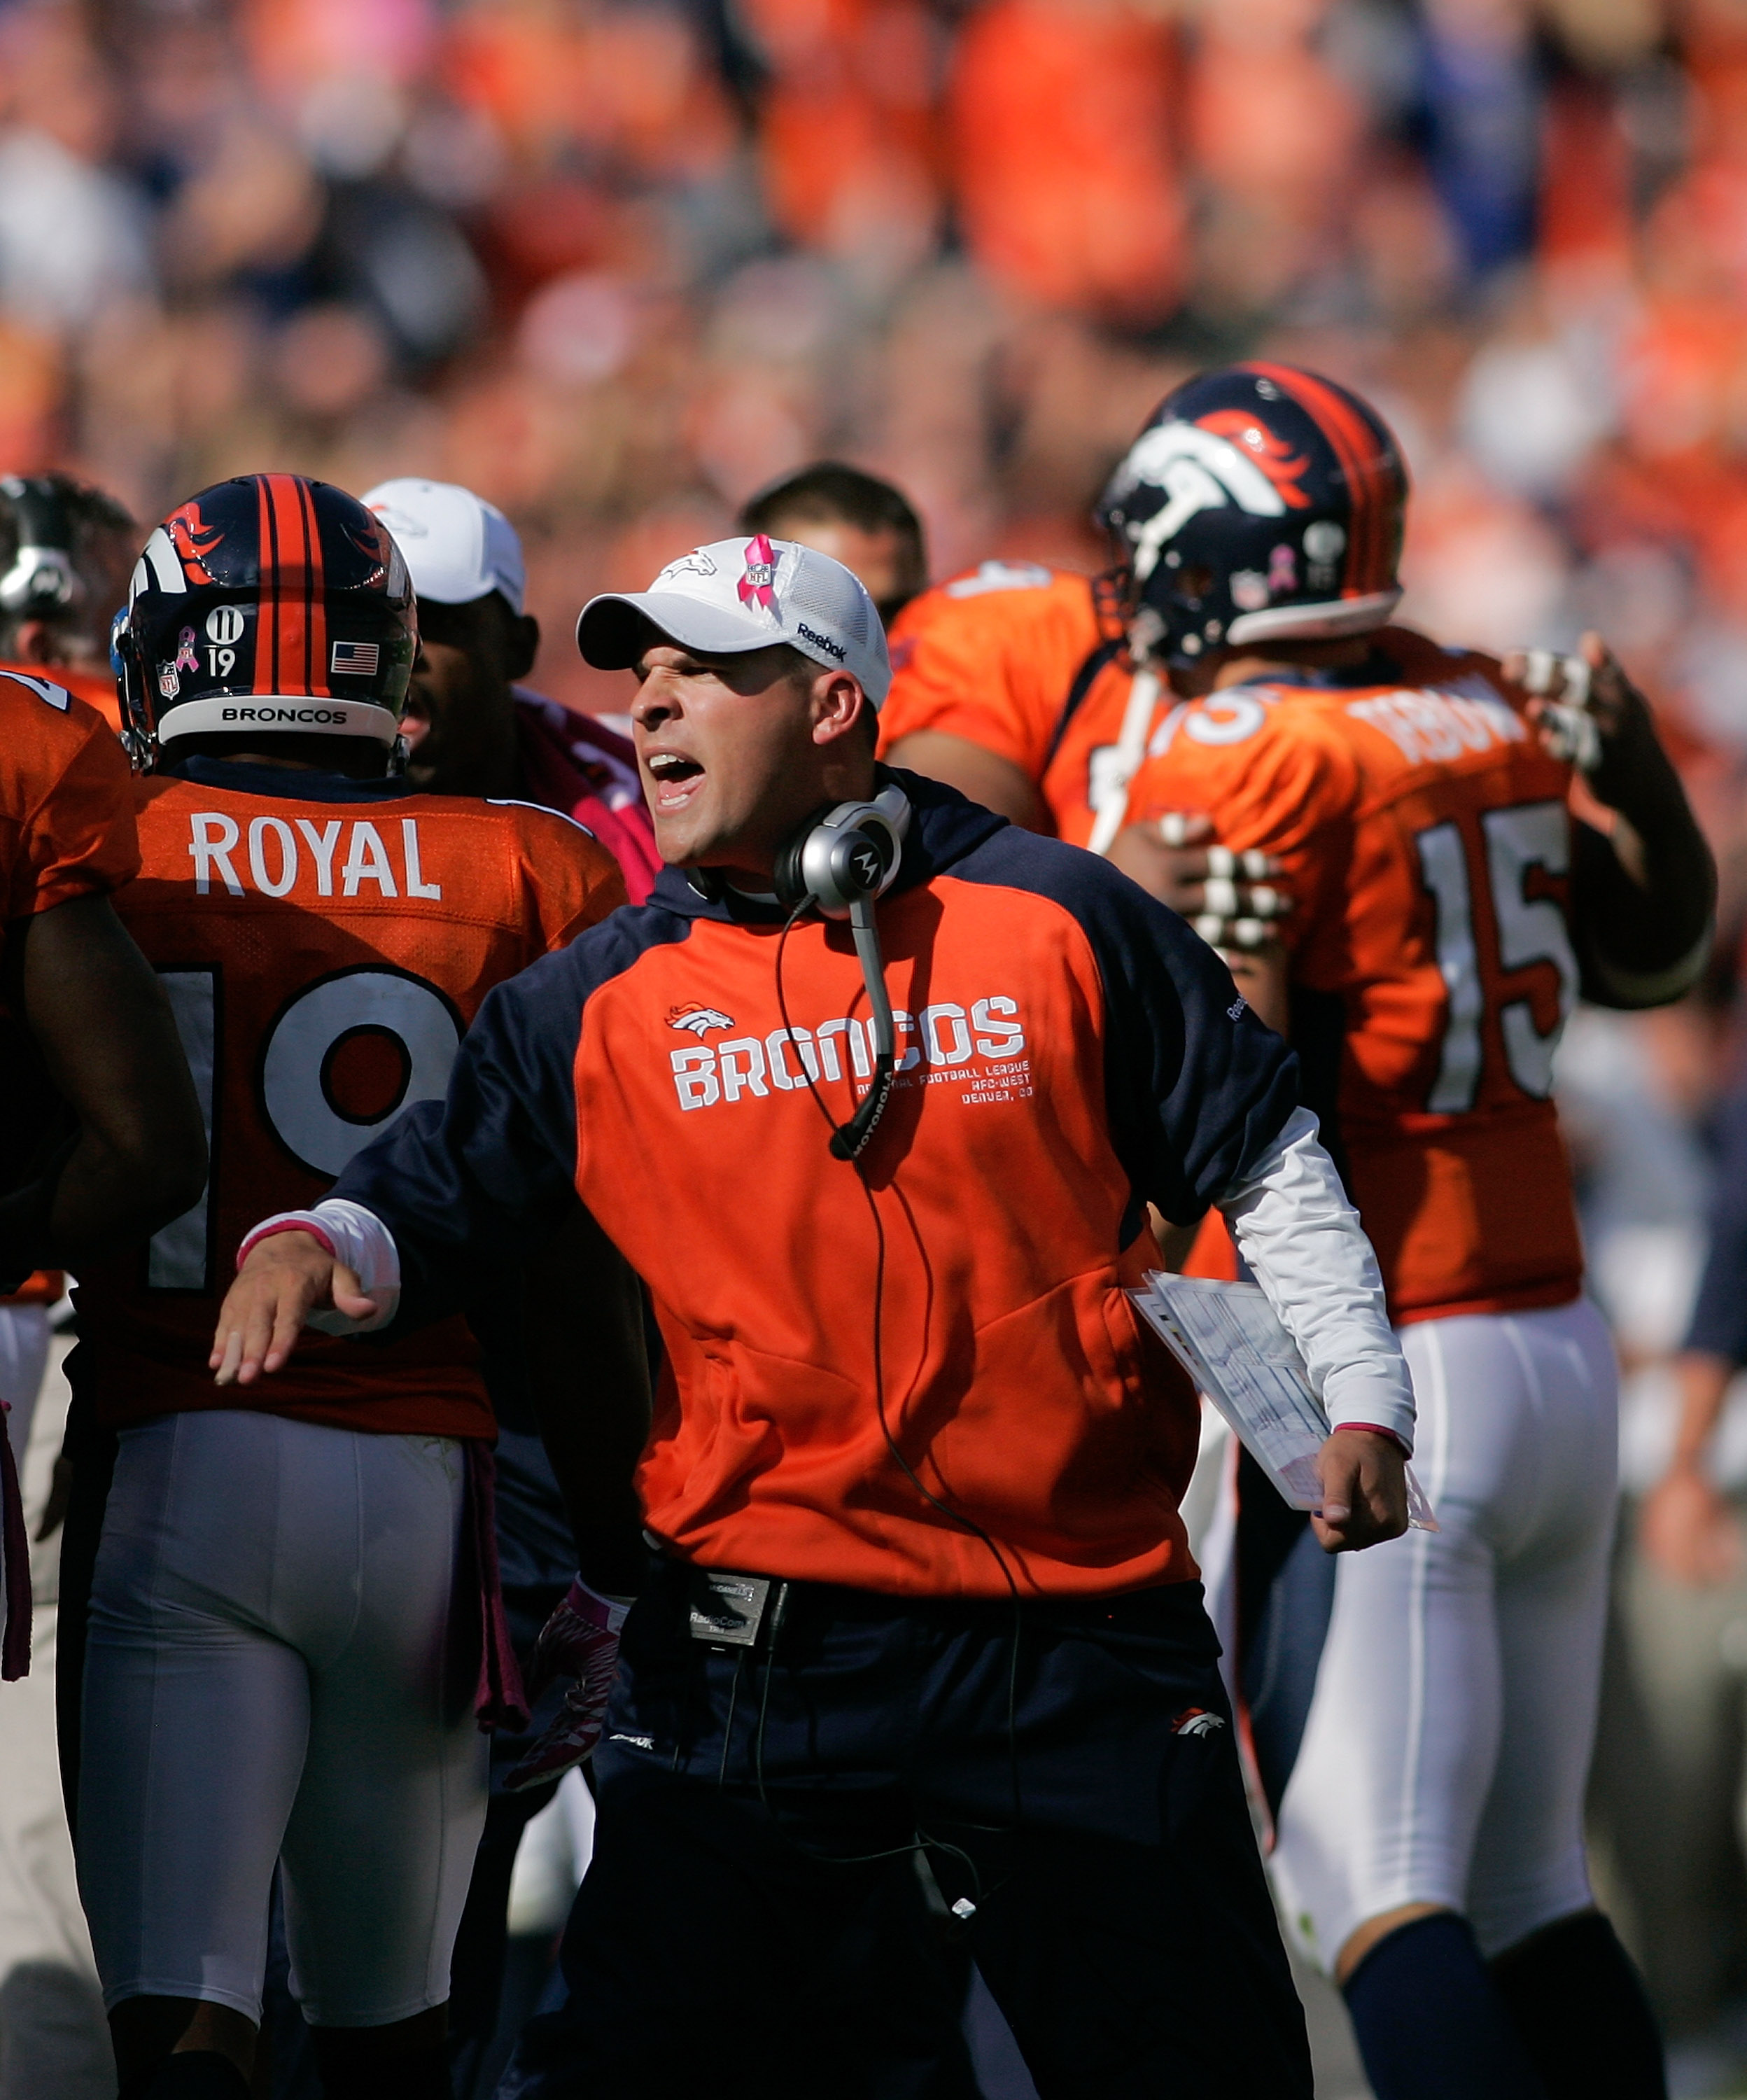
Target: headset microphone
x,y
841,861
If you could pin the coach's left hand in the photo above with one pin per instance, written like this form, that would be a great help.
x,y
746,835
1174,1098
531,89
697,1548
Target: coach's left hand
x,y
1363,1477
282,1280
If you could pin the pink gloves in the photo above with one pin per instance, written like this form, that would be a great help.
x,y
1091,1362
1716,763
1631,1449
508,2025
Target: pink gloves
x,y
581,1641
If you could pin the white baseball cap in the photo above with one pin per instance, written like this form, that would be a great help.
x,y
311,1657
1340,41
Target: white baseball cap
x,y
457,544
736,595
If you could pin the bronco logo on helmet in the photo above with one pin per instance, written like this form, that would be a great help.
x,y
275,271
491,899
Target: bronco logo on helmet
x,y
1233,507
262,589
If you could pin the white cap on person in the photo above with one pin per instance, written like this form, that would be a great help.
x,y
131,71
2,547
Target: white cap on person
x,y
457,544
736,595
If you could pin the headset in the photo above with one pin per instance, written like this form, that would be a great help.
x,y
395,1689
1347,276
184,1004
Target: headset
x,y
840,864
42,581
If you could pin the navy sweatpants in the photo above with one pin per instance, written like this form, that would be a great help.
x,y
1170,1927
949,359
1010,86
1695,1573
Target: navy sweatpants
x,y
750,1925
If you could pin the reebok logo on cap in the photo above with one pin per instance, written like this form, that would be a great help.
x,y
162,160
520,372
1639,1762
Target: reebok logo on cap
x,y
821,641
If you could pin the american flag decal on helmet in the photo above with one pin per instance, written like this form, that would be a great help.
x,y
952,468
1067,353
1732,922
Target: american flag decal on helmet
x,y
357,660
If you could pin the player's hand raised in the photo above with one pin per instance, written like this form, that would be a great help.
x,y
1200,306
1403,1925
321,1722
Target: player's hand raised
x,y
284,1279
1364,1476
1232,900
1587,711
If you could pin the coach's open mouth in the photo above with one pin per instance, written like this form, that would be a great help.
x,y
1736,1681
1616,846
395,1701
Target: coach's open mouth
x,y
676,777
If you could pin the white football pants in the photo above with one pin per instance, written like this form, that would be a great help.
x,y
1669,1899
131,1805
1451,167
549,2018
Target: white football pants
x,y
1448,1738
270,1673
24,1338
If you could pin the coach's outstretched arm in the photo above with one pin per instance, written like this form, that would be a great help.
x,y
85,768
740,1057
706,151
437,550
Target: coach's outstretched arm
x,y
1307,1249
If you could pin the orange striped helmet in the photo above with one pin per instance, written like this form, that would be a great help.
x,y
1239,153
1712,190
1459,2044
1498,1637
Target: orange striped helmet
x,y
268,605
1260,502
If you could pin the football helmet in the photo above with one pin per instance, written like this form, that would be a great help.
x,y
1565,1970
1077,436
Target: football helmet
x,y
266,605
1260,502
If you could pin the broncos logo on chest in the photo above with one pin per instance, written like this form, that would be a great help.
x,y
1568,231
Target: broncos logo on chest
x,y
698,1019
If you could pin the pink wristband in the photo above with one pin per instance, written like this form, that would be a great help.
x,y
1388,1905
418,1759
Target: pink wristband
x,y
1377,1429
285,1225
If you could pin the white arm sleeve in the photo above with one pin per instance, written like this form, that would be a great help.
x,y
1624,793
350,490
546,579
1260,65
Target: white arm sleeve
x,y
361,1240
1307,1249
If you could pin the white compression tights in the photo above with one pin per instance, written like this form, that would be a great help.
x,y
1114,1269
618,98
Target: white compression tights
x,y
23,1358
270,1670
1447,1745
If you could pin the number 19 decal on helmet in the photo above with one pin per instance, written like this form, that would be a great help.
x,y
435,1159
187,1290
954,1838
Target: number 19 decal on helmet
x,y
268,605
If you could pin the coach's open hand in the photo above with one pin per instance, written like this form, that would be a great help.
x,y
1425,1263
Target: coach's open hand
x,y
1364,1491
284,1279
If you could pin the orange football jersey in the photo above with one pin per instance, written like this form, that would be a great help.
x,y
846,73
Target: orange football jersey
x,y
1425,836
324,944
66,798
96,688
1012,657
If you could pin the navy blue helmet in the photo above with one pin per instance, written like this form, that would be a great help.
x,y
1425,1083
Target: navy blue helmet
x,y
1260,502
266,603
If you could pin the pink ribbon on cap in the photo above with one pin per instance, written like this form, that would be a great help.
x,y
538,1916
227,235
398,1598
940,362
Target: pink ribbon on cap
x,y
758,582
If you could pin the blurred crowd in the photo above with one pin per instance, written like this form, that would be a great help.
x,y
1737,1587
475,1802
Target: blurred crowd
x,y
616,263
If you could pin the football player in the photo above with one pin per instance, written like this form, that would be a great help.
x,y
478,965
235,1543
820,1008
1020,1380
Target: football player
x,y
1021,686
471,727
292,1590
100,1137
1448,910
65,550
858,519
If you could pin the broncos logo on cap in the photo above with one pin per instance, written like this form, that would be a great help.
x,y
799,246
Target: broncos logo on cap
x,y
698,1019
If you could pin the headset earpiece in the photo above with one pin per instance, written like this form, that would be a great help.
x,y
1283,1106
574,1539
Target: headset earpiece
x,y
844,854
841,862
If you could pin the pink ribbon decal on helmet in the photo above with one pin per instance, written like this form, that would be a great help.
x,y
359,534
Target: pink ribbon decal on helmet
x,y
186,658
757,585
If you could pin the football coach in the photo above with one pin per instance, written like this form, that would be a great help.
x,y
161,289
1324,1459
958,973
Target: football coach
x,y
873,1094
